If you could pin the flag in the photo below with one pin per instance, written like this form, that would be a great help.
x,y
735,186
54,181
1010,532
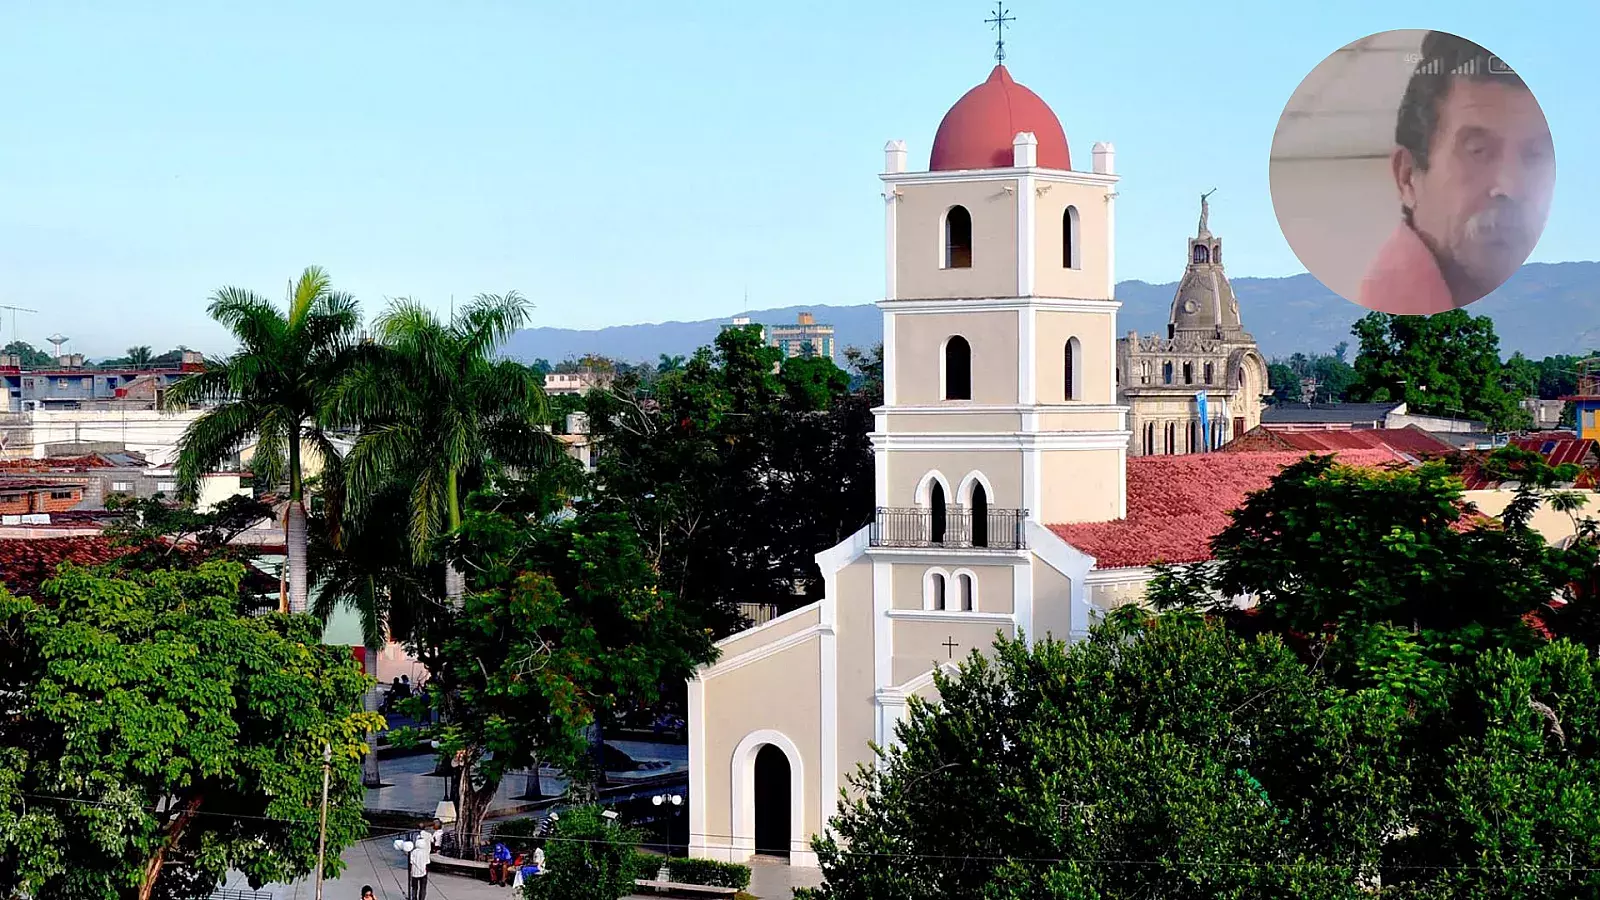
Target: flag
x,y
1205,421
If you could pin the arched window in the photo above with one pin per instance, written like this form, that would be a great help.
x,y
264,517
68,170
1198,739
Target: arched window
x,y
1200,254
1188,373
965,589
1071,389
1208,373
1070,239
1149,438
957,369
1166,372
1216,254
1172,438
936,513
1191,438
958,238
1144,372
935,587
980,516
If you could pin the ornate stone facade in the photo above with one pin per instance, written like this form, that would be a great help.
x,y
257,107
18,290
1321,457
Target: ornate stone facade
x,y
1201,384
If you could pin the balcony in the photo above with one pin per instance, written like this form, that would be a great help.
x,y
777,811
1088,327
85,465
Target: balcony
x,y
951,529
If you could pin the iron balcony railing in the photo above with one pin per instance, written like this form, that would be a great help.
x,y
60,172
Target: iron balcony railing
x,y
993,529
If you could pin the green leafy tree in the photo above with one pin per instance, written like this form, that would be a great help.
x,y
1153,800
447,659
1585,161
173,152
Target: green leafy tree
x,y
736,470
1175,758
589,858
32,357
274,388
153,739
1328,546
439,411
139,357
1446,364
668,364
563,623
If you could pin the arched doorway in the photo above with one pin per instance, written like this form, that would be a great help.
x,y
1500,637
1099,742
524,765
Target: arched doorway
x,y
980,516
772,796
936,509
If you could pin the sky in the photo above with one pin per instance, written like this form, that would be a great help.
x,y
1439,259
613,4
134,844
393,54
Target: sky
x,y
626,162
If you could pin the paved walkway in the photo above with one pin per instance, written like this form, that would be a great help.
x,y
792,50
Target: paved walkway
x,y
376,862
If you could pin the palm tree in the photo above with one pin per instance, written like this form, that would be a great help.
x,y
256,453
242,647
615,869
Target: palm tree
x,y
367,566
139,357
274,388
438,410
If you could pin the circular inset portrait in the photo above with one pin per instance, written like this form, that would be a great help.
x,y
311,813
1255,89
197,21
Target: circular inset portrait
x,y
1412,172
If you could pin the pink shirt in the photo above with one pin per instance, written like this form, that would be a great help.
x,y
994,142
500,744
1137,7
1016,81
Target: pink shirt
x,y
1405,278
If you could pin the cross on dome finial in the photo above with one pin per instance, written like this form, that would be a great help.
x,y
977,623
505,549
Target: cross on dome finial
x,y
1000,20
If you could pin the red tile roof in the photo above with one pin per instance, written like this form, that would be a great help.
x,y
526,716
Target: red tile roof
x,y
25,564
1176,504
1411,440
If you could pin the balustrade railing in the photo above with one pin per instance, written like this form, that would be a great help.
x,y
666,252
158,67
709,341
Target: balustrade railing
x,y
956,528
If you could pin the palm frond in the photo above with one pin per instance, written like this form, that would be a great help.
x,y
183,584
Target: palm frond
x,y
215,435
490,320
312,287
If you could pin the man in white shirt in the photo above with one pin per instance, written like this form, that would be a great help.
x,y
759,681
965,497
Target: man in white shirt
x,y
418,860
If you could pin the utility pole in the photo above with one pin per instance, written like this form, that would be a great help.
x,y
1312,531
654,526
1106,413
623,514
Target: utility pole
x,y
322,827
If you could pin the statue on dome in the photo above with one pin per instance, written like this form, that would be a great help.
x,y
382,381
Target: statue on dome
x,y
1205,210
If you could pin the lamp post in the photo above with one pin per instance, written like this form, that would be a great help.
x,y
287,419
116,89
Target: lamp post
x,y
673,800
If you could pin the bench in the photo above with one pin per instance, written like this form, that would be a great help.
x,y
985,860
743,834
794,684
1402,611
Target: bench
x,y
469,867
674,887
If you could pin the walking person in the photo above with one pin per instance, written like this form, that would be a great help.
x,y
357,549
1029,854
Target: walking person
x,y
366,892
419,859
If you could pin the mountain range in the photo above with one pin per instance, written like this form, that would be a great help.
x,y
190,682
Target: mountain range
x,y
1545,309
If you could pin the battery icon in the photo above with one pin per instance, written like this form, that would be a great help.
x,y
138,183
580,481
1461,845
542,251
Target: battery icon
x,y
1497,66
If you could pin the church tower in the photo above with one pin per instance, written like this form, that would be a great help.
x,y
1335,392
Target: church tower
x,y
999,326
1200,385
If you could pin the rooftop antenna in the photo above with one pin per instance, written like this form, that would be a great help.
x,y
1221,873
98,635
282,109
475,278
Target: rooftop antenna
x,y
15,336
999,21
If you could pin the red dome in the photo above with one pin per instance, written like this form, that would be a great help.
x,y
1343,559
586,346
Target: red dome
x,y
977,132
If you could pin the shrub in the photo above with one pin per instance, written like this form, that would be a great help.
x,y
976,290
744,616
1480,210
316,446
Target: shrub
x,y
588,858
708,872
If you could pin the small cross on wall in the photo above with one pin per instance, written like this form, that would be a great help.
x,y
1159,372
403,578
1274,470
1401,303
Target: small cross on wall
x,y
950,646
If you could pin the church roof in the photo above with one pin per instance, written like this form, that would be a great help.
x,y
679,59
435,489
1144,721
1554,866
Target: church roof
x,y
1409,441
977,133
1176,504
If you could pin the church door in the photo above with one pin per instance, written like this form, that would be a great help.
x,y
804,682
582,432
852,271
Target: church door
x,y
772,801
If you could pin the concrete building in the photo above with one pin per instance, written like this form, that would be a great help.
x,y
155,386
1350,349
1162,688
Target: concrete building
x,y
804,338
580,382
70,384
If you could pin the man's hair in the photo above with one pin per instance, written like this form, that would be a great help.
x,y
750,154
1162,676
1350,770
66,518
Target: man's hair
x,y
1445,58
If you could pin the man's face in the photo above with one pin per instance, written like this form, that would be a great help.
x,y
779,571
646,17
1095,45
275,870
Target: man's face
x,y
1483,199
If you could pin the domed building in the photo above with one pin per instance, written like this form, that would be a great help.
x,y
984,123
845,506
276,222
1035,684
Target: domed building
x,y
1201,384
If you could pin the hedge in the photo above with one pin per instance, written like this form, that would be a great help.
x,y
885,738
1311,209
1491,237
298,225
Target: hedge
x,y
708,872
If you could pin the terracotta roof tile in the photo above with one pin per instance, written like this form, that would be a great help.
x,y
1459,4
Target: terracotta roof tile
x,y
1411,440
26,563
1176,504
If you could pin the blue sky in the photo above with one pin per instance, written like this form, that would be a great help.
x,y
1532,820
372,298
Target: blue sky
x,y
628,162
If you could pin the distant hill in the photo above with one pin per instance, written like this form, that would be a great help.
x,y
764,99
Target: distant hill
x,y
1546,308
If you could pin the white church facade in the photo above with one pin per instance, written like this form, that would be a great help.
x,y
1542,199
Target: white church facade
x,y
999,417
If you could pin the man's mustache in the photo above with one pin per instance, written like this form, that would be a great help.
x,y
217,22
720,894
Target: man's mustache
x,y
1507,220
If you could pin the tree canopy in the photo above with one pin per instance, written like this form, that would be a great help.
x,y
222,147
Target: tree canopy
x,y
1446,364
151,738
737,469
1171,757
